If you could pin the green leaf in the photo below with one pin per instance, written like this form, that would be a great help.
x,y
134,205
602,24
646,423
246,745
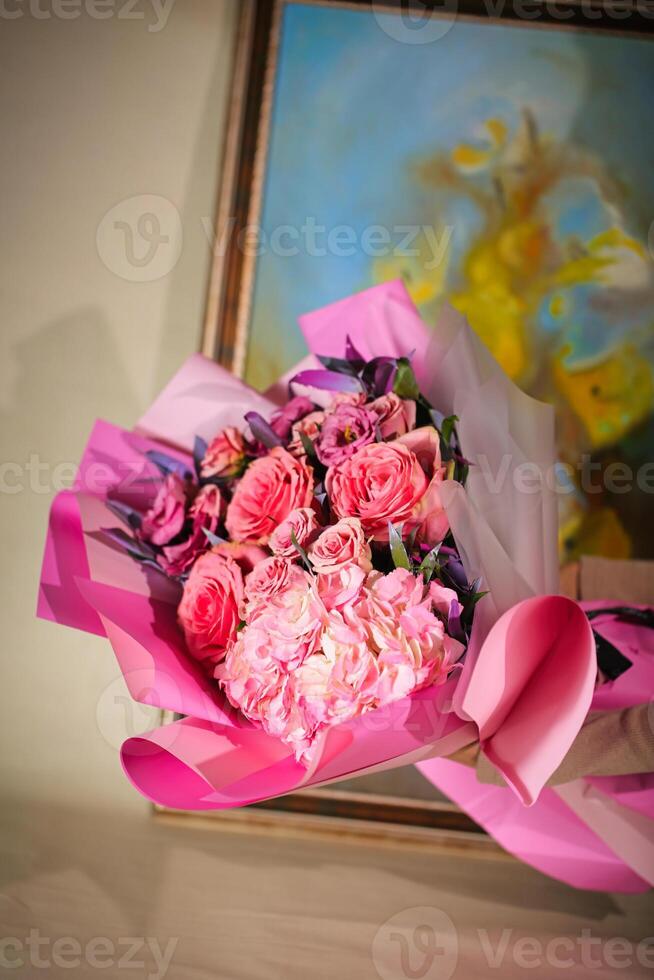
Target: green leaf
x,y
411,540
472,601
300,550
405,385
398,551
307,443
447,428
429,562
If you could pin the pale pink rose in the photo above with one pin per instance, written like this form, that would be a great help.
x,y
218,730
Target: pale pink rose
x,y
167,516
205,512
402,628
354,674
340,682
429,515
340,545
297,668
284,418
293,618
262,688
304,525
310,686
250,677
246,556
267,579
341,588
209,610
397,680
345,430
399,588
395,416
271,488
225,454
381,483
309,427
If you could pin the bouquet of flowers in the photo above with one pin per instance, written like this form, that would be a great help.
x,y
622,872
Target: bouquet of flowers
x,y
356,571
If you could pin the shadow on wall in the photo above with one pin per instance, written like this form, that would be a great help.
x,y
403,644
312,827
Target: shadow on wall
x,y
64,377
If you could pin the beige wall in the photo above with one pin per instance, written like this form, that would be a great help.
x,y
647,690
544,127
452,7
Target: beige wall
x,y
93,112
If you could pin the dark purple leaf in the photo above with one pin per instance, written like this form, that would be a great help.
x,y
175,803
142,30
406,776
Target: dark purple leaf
x,y
327,381
385,378
168,464
352,354
125,513
456,574
454,627
339,365
199,452
379,374
262,431
133,546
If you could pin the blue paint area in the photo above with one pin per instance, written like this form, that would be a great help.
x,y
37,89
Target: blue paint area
x,y
354,110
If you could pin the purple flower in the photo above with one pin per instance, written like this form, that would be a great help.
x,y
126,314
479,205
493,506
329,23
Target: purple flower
x,y
285,418
205,512
165,518
346,429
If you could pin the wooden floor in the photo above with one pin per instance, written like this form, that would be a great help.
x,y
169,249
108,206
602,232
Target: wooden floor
x,y
252,907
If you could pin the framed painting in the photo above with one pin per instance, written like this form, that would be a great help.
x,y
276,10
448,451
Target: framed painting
x,y
496,155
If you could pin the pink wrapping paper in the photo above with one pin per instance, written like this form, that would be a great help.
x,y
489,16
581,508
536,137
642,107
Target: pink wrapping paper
x,y
527,682
595,833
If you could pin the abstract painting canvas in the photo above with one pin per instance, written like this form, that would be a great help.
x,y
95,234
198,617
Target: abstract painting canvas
x,y
503,166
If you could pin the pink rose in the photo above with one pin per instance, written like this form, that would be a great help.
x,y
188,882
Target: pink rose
x,y
395,416
340,545
284,418
430,514
345,430
271,488
166,518
382,483
409,639
209,610
303,524
309,427
397,482
442,598
205,512
225,454
341,588
291,614
250,677
344,685
266,580
246,556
